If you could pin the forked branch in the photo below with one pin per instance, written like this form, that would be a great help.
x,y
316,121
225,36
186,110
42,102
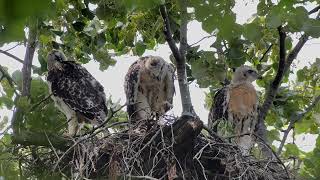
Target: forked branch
x,y
179,55
283,68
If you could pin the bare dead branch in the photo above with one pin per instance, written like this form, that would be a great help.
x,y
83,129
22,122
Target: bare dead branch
x,y
294,119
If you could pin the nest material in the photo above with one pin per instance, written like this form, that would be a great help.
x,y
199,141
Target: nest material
x,y
166,152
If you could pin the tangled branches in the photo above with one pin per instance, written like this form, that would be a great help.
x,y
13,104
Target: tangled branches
x,y
158,151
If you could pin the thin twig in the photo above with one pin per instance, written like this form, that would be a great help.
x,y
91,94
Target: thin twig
x,y
206,37
13,47
81,140
265,53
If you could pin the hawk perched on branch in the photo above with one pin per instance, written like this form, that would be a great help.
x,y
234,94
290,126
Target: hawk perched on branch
x,y
149,88
75,92
237,103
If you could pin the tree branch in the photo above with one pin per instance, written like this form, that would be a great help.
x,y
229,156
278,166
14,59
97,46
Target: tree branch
x,y
14,57
284,66
314,10
179,55
206,37
168,34
40,139
261,131
294,119
26,75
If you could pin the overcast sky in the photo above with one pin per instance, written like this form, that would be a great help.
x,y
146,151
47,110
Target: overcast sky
x,y
113,78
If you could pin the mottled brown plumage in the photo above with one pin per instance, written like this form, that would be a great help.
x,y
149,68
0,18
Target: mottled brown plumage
x,y
149,88
75,92
237,103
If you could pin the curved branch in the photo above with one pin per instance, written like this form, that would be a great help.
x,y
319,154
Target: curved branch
x,y
284,66
294,119
261,129
179,55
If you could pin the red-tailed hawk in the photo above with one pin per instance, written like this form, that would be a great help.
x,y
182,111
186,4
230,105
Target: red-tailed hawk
x,y
149,88
237,103
75,92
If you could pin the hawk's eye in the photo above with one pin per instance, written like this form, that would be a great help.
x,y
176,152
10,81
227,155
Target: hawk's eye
x,y
154,63
58,58
250,71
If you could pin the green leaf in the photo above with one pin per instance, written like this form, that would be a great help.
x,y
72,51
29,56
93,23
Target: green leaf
x,y
262,8
4,100
7,87
301,75
228,28
312,28
103,57
235,57
253,32
140,48
273,19
210,24
23,103
201,13
292,150
4,122
296,19
273,135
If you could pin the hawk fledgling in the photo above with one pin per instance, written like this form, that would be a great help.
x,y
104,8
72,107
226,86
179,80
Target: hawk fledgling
x,y
75,92
237,103
149,88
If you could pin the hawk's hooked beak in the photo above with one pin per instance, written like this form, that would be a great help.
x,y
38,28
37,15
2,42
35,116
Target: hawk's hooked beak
x,y
259,77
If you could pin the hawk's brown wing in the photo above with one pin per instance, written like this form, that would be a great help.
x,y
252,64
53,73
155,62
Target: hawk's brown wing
x,y
131,85
219,108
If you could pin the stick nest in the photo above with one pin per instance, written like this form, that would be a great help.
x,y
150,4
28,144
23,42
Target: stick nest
x,y
152,151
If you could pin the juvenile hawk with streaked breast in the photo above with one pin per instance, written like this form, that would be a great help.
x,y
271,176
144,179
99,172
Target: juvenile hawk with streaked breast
x,y
75,92
237,103
149,88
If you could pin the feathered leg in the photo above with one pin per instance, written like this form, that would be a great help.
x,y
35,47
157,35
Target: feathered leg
x,y
246,142
73,125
